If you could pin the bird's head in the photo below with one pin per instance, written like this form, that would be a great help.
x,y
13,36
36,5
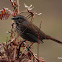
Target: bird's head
x,y
19,19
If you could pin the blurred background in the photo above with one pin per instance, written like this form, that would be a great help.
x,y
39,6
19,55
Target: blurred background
x,y
51,24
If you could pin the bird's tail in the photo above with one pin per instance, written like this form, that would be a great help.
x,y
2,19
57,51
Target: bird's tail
x,y
54,40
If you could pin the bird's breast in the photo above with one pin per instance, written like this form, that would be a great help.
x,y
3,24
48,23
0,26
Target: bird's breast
x,y
20,28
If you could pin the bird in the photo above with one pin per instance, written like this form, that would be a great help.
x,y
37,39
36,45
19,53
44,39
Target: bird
x,y
30,31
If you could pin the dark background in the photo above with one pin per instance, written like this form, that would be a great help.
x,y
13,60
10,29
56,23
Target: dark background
x,y
51,24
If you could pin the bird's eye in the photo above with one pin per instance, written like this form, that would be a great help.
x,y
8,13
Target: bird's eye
x,y
18,18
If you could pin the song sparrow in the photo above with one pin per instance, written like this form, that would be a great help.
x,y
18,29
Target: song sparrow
x,y
29,31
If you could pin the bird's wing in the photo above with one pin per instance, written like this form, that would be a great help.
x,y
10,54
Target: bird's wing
x,y
33,37
33,29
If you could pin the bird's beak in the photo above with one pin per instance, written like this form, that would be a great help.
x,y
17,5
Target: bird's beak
x,y
14,18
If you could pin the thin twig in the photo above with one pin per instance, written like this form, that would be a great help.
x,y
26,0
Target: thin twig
x,y
38,40
18,6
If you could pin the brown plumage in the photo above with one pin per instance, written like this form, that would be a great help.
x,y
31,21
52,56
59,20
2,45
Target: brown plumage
x,y
29,31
